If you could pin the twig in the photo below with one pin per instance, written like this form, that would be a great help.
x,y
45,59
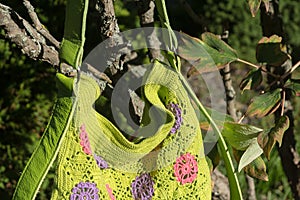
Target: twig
x,y
291,70
251,188
230,92
37,24
282,103
97,73
20,32
241,119
258,67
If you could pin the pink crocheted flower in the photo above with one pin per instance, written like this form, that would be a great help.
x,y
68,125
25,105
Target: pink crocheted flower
x,y
142,187
84,140
186,168
85,190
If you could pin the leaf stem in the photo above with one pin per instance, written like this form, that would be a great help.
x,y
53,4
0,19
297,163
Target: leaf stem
x,y
282,103
235,190
257,67
291,70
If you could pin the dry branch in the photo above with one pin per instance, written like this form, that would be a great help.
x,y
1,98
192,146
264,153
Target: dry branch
x,y
37,24
26,37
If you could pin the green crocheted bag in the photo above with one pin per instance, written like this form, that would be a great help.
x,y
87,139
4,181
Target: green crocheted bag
x,y
96,161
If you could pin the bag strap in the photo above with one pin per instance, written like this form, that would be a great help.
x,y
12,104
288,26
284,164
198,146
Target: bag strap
x,y
71,50
45,153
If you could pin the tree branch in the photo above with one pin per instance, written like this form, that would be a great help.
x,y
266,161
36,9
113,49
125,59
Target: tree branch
x,y
27,38
146,15
38,26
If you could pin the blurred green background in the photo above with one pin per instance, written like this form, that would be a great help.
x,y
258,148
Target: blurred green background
x,y
27,89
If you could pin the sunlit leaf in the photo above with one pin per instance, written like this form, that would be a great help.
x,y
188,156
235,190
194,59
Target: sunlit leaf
x,y
240,136
269,50
267,139
264,104
252,80
257,169
251,153
254,6
225,53
205,56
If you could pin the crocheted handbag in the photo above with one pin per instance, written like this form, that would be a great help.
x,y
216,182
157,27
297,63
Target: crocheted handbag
x,y
96,161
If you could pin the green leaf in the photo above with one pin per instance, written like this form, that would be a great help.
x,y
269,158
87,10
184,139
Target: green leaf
x,y
257,169
252,80
294,85
205,56
251,153
267,140
269,50
225,54
254,6
240,136
264,104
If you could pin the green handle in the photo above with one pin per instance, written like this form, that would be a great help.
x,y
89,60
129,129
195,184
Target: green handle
x,y
71,50
47,149
45,153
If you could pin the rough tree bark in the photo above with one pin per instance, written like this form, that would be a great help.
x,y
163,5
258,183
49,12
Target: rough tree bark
x,y
146,14
272,24
29,39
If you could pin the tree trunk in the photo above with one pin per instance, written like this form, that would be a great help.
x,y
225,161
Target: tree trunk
x,y
272,24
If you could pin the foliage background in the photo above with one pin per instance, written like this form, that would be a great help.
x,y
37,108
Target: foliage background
x,y
27,87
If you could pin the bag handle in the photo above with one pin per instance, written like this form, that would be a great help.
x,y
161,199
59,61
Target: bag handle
x,y
45,153
71,50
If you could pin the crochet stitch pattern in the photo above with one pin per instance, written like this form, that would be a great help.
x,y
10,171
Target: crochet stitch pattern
x,y
110,193
85,190
102,164
175,109
150,173
186,168
84,140
142,187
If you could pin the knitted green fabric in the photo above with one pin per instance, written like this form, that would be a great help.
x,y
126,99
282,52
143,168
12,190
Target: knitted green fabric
x,y
96,161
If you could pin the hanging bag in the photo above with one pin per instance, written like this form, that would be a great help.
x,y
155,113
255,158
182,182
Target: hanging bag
x,y
95,160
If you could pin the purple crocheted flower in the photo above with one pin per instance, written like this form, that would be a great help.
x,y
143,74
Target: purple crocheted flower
x,y
102,164
175,109
85,190
142,187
